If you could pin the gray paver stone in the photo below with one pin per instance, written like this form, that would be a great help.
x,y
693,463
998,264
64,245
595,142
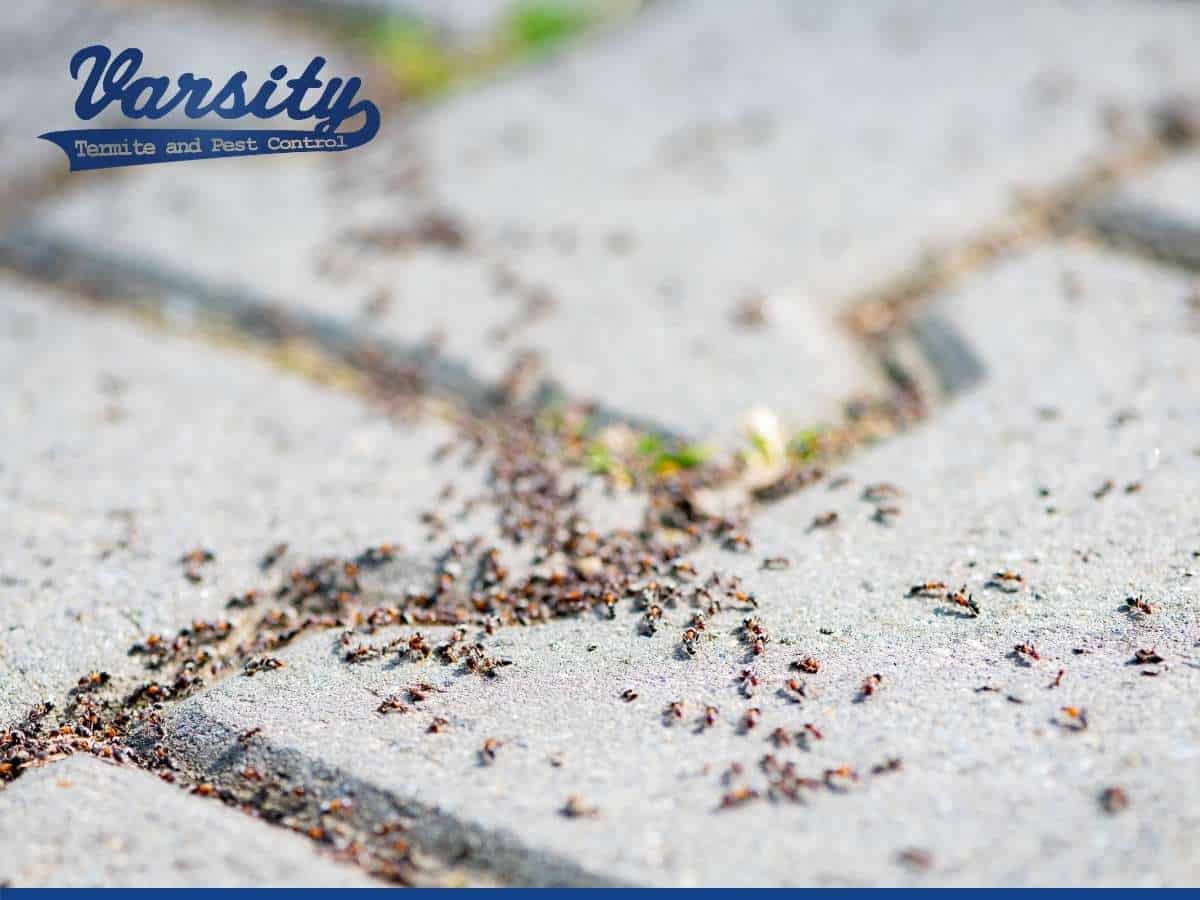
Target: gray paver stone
x,y
85,823
125,449
1092,377
618,204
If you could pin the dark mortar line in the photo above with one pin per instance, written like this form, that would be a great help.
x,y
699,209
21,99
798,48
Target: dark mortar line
x,y
1050,213
1145,231
145,288
942,347
165,294
168,295
454,842
948,353
1059,212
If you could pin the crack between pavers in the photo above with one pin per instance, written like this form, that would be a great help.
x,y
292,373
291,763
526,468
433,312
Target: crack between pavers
x,y
329,350
458,844
1043,215
895,319
1145,231
147,290
294,790
885,318
178,299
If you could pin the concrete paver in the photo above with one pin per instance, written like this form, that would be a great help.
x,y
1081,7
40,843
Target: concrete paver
x,y
732,156
85,823
1070,465
125,449
745,171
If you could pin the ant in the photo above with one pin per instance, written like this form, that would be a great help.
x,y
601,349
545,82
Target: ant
x,y
965,600
824,520
738,797
672,712
1114,800
928,589
245,601
755,633
651,619
873,493
91,682
575,808
272,556
193,560
1078,718
487,753
420,692
794,690
1026,651
1138,604
892,764
870,685
683,569
245,736
391,704
738,543
916,858
263,664
1006,581
884,514
845,772
749,681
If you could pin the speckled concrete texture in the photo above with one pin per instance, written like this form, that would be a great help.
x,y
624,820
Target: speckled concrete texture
x,y
1092,379
125,449
85,823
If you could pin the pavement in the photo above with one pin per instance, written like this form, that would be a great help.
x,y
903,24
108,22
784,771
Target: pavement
x,y
971,506
124,831
742,446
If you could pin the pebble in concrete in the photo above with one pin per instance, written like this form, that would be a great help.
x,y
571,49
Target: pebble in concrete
x,y
85,823
1072,466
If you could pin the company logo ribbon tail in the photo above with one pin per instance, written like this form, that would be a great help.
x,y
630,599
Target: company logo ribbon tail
x,y
110,81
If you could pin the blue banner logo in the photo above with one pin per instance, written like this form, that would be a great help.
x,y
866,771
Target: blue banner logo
x,y
113,82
